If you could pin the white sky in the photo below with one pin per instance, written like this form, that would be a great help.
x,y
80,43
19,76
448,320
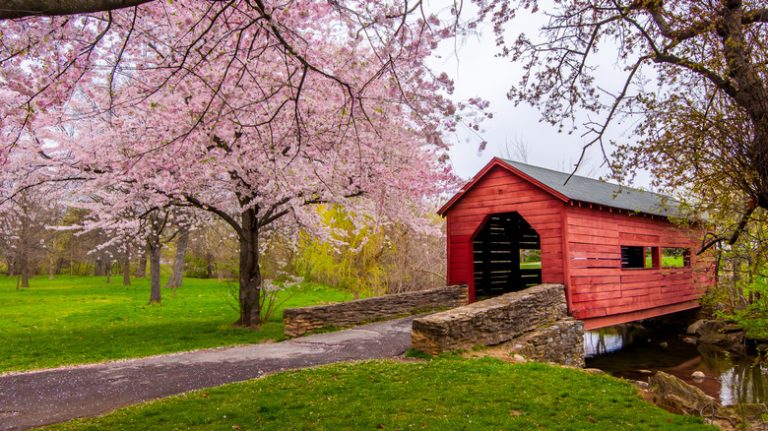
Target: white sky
x,y
477,72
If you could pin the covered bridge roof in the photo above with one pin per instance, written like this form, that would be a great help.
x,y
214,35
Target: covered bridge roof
x,y
582,189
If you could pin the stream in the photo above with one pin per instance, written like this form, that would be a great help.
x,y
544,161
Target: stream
x,y
632,353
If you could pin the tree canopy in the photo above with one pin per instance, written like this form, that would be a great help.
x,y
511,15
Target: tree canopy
x,y
694,94
247,110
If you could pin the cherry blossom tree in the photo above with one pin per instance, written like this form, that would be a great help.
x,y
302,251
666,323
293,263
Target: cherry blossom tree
x,y
248,111
45,59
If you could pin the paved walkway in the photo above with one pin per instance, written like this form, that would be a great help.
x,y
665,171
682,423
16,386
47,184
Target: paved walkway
x,y
44,397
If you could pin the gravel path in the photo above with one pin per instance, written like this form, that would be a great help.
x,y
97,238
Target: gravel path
x,y
44,397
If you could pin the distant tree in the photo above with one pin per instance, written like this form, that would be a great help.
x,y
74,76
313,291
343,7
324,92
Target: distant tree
x,y
27,241
212,251
415,259
141,263
119,221
74,246
695,88
125,263
183,224
179,255
368,258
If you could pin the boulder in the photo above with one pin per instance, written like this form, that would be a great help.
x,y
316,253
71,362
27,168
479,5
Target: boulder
x,y
718,333
675,395
705,326
520,359
689,340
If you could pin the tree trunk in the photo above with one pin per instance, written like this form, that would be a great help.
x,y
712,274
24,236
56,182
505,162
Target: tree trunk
x,y
24,244
250,274
98,267
127,265
208,264
750,93
178,261
24,267
154,249
141,267
108,269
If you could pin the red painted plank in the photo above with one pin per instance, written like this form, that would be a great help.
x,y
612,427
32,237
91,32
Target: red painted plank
x,y
588,248
591,239
508,204
594,296
593,231
638,239
595,280
595,271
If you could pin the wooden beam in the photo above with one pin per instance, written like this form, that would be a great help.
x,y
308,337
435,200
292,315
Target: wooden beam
x,y
616,319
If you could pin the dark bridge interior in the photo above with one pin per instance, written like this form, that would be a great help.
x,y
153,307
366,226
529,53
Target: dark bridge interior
x,y
501,249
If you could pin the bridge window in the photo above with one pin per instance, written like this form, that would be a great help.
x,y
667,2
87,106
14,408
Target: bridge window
x,y
675,257
639,257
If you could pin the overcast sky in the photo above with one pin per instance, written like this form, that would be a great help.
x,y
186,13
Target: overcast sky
x,y
478,72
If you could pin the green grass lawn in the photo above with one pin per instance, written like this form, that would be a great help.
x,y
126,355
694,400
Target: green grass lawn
x,y
530,265
672,262
74,320
443,394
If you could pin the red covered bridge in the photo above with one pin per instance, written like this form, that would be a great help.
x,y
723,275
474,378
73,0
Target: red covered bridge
x,y
614,248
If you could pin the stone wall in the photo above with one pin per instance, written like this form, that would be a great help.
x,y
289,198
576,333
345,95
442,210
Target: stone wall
x,y
492,321
561,342
533,321
299,321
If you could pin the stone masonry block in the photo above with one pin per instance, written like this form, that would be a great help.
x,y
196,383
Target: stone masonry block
x,y
561,342
492,321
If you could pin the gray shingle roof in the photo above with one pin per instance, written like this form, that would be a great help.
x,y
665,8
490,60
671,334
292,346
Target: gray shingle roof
x,y
599,192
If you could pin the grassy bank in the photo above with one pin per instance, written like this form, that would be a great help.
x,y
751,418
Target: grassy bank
x,y
442,394
74,320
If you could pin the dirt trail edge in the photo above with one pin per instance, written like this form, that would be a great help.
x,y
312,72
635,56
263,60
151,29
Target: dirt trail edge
x,y
44,397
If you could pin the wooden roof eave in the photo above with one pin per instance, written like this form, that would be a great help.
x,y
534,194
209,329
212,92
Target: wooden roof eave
x,y
602,207
496,161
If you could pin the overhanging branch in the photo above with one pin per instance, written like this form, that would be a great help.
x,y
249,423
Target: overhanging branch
x,y
12,9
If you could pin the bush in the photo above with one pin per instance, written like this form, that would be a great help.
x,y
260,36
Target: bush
x,y
754,317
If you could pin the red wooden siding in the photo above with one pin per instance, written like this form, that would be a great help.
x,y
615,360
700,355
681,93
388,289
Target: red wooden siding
x,y
604,292
501,191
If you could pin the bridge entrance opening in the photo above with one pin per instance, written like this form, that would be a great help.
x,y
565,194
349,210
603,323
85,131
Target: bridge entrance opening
x,y
507,256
